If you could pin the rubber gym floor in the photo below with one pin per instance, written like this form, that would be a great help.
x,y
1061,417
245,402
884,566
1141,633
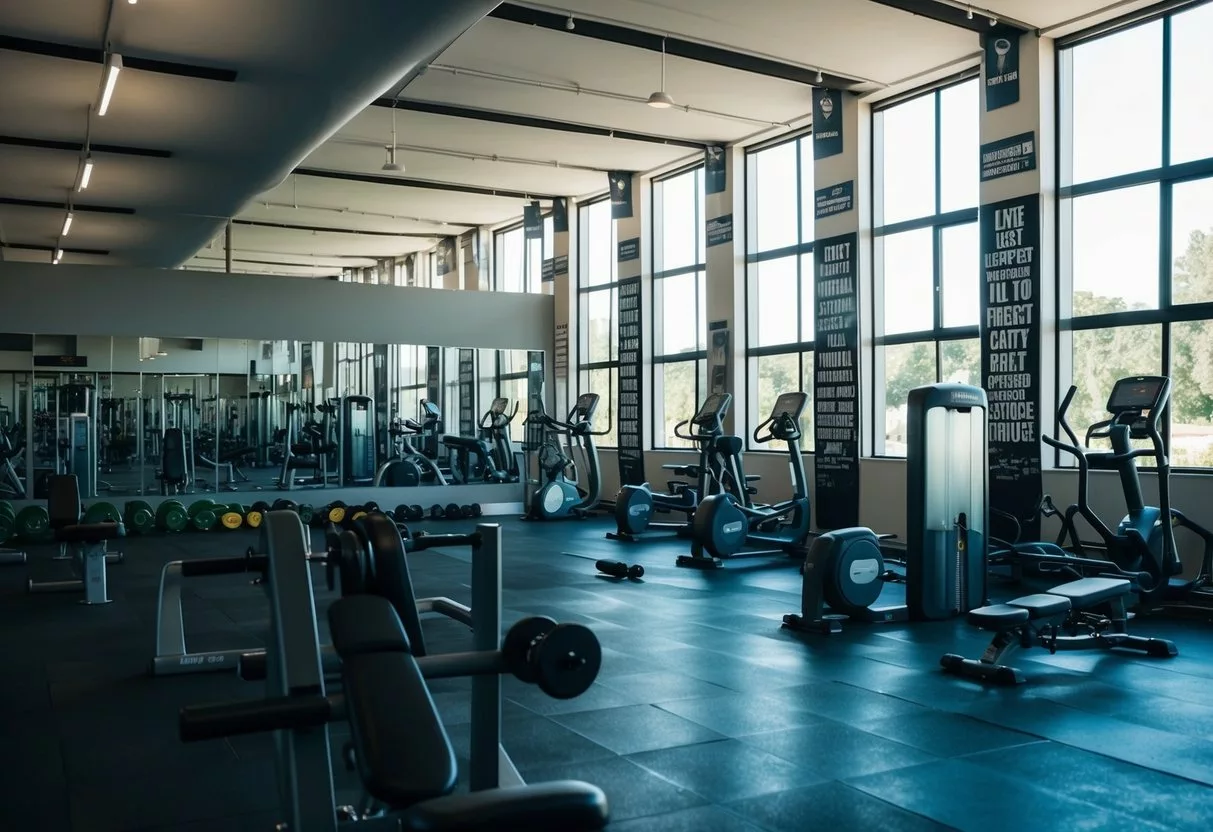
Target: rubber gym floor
x,y
706,715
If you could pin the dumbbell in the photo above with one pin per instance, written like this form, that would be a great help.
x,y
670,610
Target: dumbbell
x,y
562,659
619,569
416,512
437,512
284,505
401,513
453,511
476,510
465,511
371,507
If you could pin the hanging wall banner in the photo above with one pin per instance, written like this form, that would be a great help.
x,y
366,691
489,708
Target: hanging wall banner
x,y
1002,68
836,383
718,357
1006,157
628,250
532,221
560,264
1010,355
827,123
628,418
307,368
715,169
467,392
433,374
446,256
836,199
621,194
382,438
534,397
548,272
720,230
560,215
560,357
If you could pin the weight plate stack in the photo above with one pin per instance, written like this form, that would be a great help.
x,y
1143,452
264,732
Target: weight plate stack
x,y
140,517
33,523
171,516
102,513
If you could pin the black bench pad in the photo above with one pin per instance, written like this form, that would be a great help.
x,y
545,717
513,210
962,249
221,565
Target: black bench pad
x,y
567,806
1088,592
1042,605
90,532
467,442
998,617
361,624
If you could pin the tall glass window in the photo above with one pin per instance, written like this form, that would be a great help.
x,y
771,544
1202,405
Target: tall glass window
x,y
1136,276
679,303
779,277
927,251
518,262
598,342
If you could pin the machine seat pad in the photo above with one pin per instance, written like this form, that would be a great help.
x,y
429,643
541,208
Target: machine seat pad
x,y
361,624
728,445
1041,605
1088,592
753,477
566,805
471,443
998,617
90,532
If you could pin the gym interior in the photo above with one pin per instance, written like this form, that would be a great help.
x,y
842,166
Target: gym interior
x,y
647,416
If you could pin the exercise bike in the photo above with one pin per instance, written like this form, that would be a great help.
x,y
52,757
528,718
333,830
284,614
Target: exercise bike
x,y
409,467
495,429
635,505
559,496
726,522
1142,546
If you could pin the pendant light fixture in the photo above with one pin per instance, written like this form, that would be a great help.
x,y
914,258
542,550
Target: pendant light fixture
x,y
391,164
661,99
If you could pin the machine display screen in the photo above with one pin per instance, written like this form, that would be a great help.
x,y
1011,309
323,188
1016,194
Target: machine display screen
x,y
789,403
713,407
586,404
498,406
1140,393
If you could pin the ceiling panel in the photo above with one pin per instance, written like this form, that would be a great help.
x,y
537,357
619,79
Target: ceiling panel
x,y
335,217
75,22
1042,13
313,244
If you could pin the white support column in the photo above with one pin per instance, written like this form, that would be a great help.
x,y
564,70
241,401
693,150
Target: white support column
x,y
1018,251
564,292
724,212
841,277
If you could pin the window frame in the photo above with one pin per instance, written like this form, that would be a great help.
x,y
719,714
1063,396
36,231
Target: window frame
x,y
584,290
530,272
938,222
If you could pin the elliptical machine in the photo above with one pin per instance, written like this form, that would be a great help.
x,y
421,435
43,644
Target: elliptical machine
x,y
495,428
408,467
636,504
559,496
1142,546
726,522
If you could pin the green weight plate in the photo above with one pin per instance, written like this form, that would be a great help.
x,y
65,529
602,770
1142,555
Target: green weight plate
x,y
102,513
33,522
171,516
305,514
139,516
6,509
201,505
236,507
204,519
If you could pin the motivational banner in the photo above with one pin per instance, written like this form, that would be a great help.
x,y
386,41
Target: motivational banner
x,y
307,366
621,194
715,169
836,382
560,264
446,256
628,419
534,395
827,123
1009,156
532,221
433,374
548,272
379,359
718,357
560,214
467,392
836,199
1002,68
560,357
720,230
1010,355
628,250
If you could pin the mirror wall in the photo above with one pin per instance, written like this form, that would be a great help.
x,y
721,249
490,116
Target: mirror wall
x,y
193,416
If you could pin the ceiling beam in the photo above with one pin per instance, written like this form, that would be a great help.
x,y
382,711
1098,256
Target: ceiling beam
x,y
677,47
275,262
426,184
77,147
320,229
62,206
951,15
68,52
51,249
498,117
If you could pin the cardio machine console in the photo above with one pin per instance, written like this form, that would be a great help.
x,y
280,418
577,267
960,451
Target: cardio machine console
x,y
1136,394
789,404
711,412
584,407
497,408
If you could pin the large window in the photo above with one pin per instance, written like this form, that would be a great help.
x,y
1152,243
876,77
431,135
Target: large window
x,y
679,303
927,251
598,342
410,380
779,277
1136,288
518,262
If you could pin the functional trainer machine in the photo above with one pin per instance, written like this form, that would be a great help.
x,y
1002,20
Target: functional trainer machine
x,y
724,523
559,495
635,505
947,492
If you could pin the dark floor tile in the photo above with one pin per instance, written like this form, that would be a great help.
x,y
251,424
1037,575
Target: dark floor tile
x,y
830,805
848,703
945,734
636,728
256,822
975,798
1112,784
836,751
725,771
656,687
632,791
535,741
599,696
33,795
739,714
699,819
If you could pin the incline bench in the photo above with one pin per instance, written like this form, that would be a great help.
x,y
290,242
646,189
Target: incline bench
x,y
1079,615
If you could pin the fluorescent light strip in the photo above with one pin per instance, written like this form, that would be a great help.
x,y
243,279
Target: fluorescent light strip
x,y
87,174
67,224
58,256
114,66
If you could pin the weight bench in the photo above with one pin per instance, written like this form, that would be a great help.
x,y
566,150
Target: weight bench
x,y
1079,615
91,538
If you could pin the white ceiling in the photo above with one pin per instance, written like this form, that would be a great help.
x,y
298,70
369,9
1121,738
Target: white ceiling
x,y
307,68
